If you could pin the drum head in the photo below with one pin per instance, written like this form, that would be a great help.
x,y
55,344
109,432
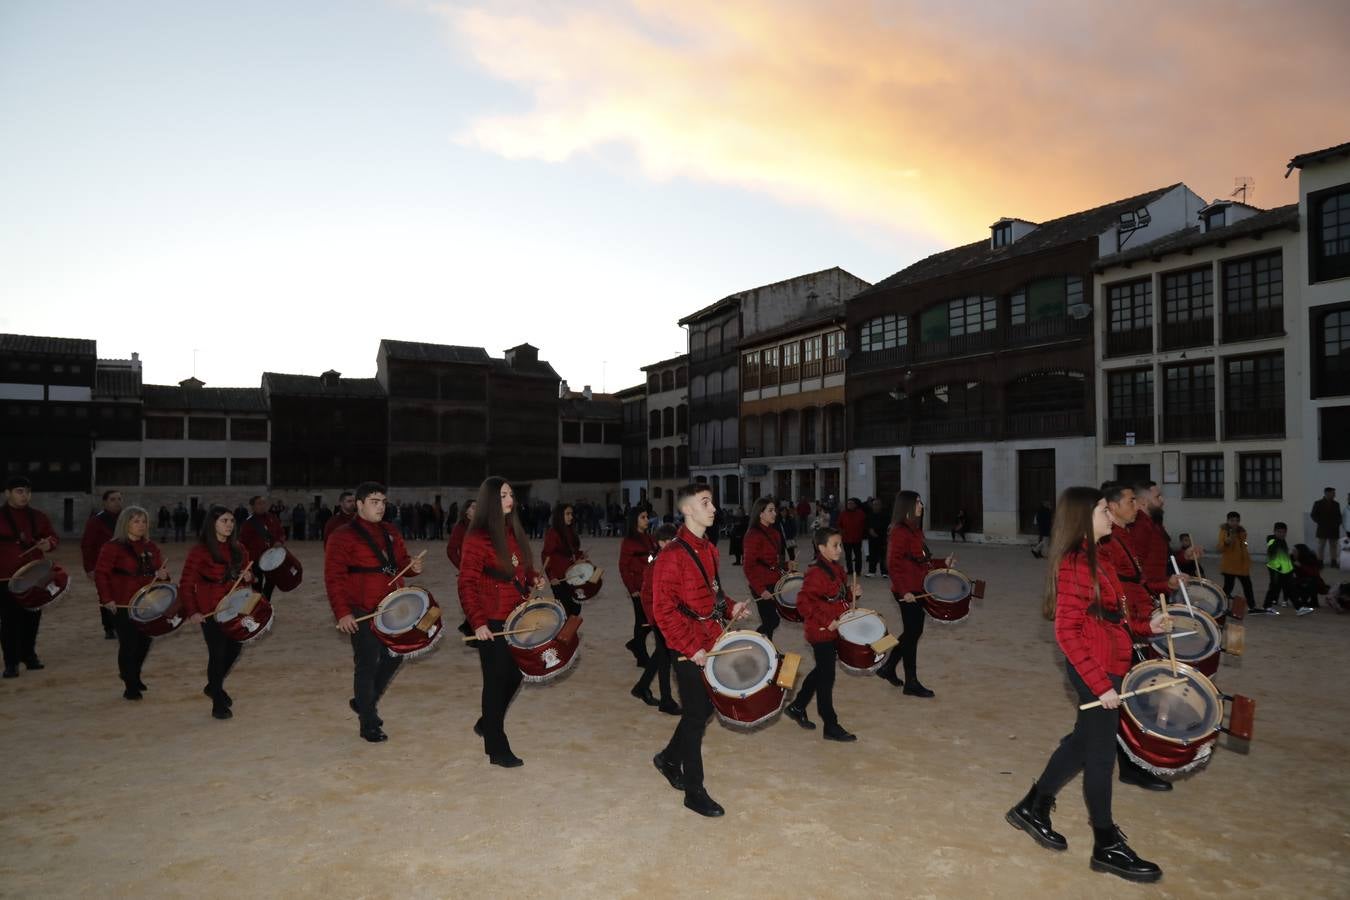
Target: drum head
x,y
272,558
1204,642
579,574
788,587
1205,595
30,576
232,605
1183,714
401,610
947,585
745,671
152,602
546,617
861,626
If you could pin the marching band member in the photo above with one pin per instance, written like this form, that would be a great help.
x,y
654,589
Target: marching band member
x,y
635,557
454,547
358,572
763,547
213,565
25,535
346,511
908,560
690,609
1087,604
259,533
127,562
98,530
562,549
658,663
824,596
496,576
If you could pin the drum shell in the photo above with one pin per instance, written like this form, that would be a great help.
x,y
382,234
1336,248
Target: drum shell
x,y
589,588
236,630
787,607
856,657
45,592
414,640
288,575
545,662
1162,756
944,611
753,709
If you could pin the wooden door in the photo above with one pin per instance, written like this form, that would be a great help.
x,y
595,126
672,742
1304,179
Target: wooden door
x,y
1035,485
955,483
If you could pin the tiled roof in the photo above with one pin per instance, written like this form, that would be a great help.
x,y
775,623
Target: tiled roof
x,y
314,386
444,353
628,393
1280,217
540,369
600,406
1303,159
117,383
1057,232
674,360
46,346
205,399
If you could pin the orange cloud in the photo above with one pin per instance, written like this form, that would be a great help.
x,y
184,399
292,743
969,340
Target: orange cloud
x,y
936,120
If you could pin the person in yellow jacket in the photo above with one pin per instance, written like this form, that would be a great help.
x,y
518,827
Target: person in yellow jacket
x,y
1235,559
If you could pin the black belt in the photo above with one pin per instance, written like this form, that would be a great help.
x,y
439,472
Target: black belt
x,y
1128,580
718,615
369,570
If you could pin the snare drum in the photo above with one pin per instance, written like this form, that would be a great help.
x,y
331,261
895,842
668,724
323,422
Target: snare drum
x,y
1170,731
244,615
947,594
1200,650
408,621
1205,596
862,641
785,596
38,584
585,579
281,566
550,647
155,609
748,686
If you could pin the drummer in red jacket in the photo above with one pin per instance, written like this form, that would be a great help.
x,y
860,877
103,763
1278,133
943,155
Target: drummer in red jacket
x,y
1087,604
635,557
852,529
497,575
691,611
25,535
127,562
358,572
763,547
824,597
909,561
454,548
260,532
562,550
213,565
658,664
98,530
346,511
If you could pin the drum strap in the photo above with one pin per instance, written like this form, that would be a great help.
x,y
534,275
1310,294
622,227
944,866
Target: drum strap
x,y
145,563
263,533
719,613
19,537
387,560
840,591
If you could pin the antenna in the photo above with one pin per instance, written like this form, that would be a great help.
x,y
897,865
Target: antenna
x,y
1244,188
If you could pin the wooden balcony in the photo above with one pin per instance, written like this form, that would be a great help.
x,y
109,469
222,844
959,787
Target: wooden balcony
x,y
1253,325
1134,342
1140,426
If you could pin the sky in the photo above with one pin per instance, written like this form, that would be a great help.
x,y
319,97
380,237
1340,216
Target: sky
x,y
232,188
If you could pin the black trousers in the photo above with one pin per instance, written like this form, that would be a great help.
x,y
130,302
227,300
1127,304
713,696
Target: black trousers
x,y
853,558
108,618
768,617
133,645
658,666
563,593
686,744
221,653
263,583
912,618
1089,748
876,555
1246,587
501,680
18,629
1279,581
373,666
640,628
820,683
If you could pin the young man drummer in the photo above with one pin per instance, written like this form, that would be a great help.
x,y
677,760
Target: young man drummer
x,y
346,511
824,597
691,611
98,530
261,531
359,566
25,535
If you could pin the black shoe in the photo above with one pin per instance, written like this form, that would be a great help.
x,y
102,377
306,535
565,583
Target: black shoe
x,y
639,652
1032,815
478,728
670,770
131,694
11,672
110,635
141,686
507,760
352,703
645,695
914,689
669,707
892,678
374,735
798,715
838,733
221,711
704,805
33,663
1111,854
1132,773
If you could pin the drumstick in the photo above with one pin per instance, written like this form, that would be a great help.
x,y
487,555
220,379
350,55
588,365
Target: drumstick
x,y
853,600
239,579
29,550
406,568
470,637
1144,690
1181,582
720,652
1172,654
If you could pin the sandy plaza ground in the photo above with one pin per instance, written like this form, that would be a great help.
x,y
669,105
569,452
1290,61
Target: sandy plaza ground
x,y
108,798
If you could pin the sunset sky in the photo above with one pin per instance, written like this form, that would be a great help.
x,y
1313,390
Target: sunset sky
x,y
280,185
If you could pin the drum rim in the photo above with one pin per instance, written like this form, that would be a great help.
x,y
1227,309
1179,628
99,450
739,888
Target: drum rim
x,y
742,635
145,589
576,565
1198,678
389,598
969,582
263,556
1159,641
28,565
238,590
514,614
1216,587
860,613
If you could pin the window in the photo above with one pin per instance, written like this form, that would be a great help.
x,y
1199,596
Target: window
x,y
163,472
1017,307
206,472
206,428
1045,298
248,429
1214,218
1331,352
880,333
1188,309
248,471
164,428
1002,234
1335,432
1129,405
791,357
834,341
1188,402
811,348
1129,318
1254,396
115,471
653,424
1253,297
1204,476
1329,234
668,421
653,383
592,433
613,433
571,432
1260,476
971,315
667,380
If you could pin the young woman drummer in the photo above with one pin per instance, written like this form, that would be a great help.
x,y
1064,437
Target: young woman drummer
x,y
658,665
212,566
496,574
908,560
126,564
763,547
562,549
635,557
1086,602
824,597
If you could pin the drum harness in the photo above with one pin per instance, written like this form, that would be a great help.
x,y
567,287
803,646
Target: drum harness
x,y
263,531
719,612
145,564
838,594
386,557
16,534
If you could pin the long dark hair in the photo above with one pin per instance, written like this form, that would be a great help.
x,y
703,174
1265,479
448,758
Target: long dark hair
x,y
1072,533
488,516
207,538
633,515
757,510
903,512
559,524
464,516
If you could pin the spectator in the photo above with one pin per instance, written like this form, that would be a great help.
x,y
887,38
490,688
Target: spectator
x,y
165,523
961,526
1235,559
853,528
321,517
738,525
298,522
787,524
1281,568
1345,553
1185,564
198,517
803,509
180,522
877,524
1308,583
241,514
437,521
1326,515
1044,518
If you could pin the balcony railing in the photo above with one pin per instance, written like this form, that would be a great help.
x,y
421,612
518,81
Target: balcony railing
x,y
962,345
1051,329
721,456
750,380
1266,422
834,365
874,360
769,376
880,434
811,369
1118,427
1134,342
1192,426
1192,333
1253,325
955,429
1045,424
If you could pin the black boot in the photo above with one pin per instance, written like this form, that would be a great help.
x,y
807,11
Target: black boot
x,y
639,652
1032,815
798,715
1111,854
704,805
1133,773
670,770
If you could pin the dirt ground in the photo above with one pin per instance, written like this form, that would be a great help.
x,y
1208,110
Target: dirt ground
x,y
108,798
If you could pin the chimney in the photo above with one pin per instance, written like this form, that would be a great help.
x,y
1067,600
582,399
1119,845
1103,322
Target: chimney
x,y
586,392
330,378
193,382
562,388
135,360
522,355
